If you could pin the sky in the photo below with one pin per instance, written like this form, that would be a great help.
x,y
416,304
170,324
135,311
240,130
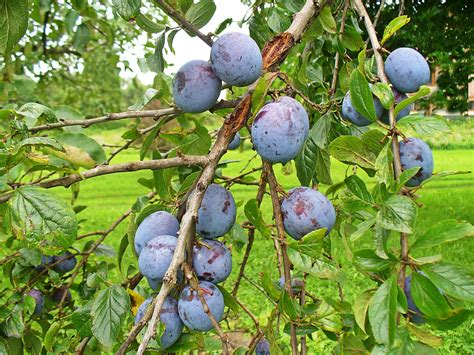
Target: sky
x,y
188,48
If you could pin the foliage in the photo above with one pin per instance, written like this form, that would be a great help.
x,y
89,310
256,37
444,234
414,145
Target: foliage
x,y
35,222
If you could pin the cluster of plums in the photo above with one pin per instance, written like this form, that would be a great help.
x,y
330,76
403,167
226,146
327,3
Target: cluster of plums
x,y
61,264
235,59
155,243
407,70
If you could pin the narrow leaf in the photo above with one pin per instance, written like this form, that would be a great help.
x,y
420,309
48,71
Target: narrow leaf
x,y
383,312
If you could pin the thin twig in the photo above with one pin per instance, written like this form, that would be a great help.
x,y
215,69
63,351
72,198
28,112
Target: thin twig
x,y
335,72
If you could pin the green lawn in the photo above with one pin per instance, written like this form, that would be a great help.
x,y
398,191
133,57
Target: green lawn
x,y
109,196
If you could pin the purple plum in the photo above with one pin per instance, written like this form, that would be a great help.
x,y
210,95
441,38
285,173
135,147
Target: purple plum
x,y
263,347
407,69
279,131
39,299
235,142
59,292
297,110
415,152
236,59
168,316
196,87
156,256
305,210
217,213
296,284
191,311
66,262
212,261
349,112
157,223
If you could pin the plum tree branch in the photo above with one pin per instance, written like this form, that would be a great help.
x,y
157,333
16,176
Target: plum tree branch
x,y
335,72
274,186
184,160
232,124
175,15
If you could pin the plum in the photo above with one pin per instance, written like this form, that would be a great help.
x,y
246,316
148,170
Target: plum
x,y
235,142
212,261
39,300
236,59
279,131
217,213
349,112
59,292
305,210
415,152
157,223
190,308
296,109
296,284
168,316
45,261
263,347
196,87
415,315
399,97
66,262
156,256
407,70
153,283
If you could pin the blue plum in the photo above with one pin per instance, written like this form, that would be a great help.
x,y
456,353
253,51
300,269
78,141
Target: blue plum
x,y
45,261
156,256
415,152
407,70
297,110
212,261
279,131
39,299
59,292
157,223
235,142
66,262
349,112
263,347
153,283
399,97
305,210
168,316
196,87
191,311
296,284
217,213
236,59
415,315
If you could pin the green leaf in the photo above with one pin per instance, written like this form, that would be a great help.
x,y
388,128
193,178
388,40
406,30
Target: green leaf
x,y
13,23
368,260
454,280
351,39
352,150
427,297
358,188
384,93
34,111
39,141
424,336
199,14
156,62
229,300
149,95
361,96
404,177
13,325
361,60
122,248
50,337
317,268
82,36
311,244
269,286
277,20
422,91
148,25
424,125
361,306
398,213
81,319
384,165
288,305
223,25
127,9
455,318
362,228
447,231
108,312
41,216
383,312
80,150
393,27
327,20
254,215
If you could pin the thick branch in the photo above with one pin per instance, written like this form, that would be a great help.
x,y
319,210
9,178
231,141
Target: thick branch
x,y
175,15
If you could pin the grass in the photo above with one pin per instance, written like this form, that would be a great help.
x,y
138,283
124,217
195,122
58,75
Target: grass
x,y
107,197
